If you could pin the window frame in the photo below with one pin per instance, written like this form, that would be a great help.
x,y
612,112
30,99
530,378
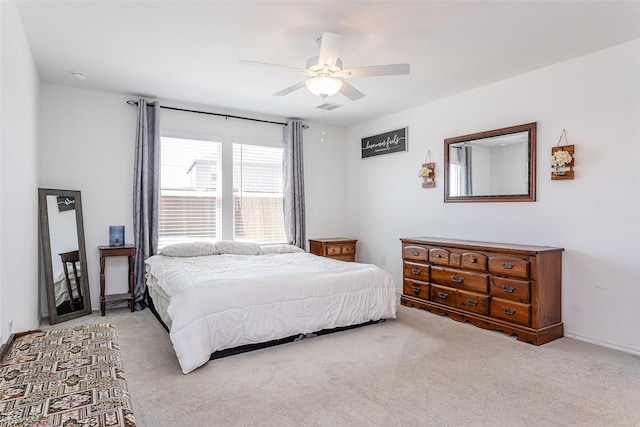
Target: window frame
x,y
226,211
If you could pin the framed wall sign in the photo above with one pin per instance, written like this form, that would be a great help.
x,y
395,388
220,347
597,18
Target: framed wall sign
x,y
388,142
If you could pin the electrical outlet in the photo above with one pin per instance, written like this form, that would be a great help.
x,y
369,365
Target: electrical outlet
x,y
383,260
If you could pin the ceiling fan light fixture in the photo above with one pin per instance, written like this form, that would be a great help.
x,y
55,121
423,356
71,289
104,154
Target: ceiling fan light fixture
x,y
324,85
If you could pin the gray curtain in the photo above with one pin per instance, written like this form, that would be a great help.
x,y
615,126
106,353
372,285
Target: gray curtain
x,y
293,166
466,174
146,191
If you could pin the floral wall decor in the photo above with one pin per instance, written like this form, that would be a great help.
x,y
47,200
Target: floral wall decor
x,y
562,159
428,173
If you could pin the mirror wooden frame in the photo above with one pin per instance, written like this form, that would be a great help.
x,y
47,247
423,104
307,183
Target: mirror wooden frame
x,y
47,260
531,194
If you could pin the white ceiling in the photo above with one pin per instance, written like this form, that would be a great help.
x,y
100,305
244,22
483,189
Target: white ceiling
x,y
188,51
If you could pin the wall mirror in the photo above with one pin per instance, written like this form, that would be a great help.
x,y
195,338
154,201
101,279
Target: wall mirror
x,y
63,254
494,166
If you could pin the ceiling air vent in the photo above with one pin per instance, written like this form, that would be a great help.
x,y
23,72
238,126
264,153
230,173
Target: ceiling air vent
x,y
329,106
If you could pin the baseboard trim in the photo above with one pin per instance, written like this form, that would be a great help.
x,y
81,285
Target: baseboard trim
x,y
4,349
601,343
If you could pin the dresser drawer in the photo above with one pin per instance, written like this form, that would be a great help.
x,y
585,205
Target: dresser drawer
x,y
416,289
511,311
416,253
439,256
471,301
413,270
474,261
444,295
466,280
509,266
511,289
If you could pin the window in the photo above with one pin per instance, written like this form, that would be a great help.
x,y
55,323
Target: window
x,y
189,191
194,203
257,194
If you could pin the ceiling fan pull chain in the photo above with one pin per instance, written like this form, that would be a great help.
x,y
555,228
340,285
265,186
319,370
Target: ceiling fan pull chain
x,y
324,99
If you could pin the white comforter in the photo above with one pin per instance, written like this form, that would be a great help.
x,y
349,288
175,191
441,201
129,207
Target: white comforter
x,y
225,301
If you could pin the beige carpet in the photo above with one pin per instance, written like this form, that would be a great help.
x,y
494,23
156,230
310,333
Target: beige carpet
x,y
418,370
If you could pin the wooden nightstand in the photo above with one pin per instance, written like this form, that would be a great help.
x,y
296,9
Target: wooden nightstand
x,y
336,248
109,251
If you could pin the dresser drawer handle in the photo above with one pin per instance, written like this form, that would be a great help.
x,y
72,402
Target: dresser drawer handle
x,y
509,311
472,302
457,279
415,271
473,260
415,253
507,265
443,295
437,256
508,288
416,289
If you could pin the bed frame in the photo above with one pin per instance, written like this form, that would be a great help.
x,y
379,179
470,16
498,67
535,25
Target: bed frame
x,y
251,347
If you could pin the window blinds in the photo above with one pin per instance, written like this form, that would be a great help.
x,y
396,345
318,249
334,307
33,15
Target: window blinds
x,y
257,194
189,191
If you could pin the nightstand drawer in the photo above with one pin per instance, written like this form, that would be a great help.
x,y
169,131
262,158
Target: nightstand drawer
x,y
348,249
332,250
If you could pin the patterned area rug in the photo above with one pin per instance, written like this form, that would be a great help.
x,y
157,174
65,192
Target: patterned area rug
x,y
65,377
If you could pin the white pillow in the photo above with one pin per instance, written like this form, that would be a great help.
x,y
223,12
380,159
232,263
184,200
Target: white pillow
x,y
237,248
280,249
189,249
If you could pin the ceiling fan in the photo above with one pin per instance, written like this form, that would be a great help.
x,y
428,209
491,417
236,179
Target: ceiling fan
x,y
326,73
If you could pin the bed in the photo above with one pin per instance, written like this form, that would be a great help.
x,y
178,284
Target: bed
x,y
60,287
217,296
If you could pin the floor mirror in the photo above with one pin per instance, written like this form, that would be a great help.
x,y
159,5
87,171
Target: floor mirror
x,y
63,254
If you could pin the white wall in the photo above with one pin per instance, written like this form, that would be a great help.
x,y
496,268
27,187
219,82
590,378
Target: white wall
x,y
19,94
595,217
325,181
87,144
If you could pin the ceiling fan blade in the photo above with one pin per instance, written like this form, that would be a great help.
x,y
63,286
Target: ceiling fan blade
x,y
290,89
350,92
374,70
329,50
276,66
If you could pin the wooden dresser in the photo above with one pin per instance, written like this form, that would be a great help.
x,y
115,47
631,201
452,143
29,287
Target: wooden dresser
x,y
335,247
512,288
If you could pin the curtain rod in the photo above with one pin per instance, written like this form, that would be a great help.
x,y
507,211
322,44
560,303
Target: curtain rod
x,y
226,116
